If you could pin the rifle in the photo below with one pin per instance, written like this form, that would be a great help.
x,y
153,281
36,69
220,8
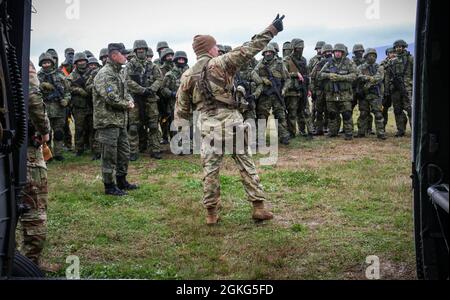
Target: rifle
x,y
58,92
275,88
306,81
238,81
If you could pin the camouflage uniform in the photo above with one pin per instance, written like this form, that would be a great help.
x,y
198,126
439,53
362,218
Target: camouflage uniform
x,y
220,72
144,79
66,68
96,147
320,103
269,100
400,76
338,76
296,92
35,192
164,103
370,83
387,99
110,119
169,89
253,86
56,98
81,106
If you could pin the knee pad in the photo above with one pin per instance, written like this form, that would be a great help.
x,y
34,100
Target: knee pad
x,y
347,115
59,135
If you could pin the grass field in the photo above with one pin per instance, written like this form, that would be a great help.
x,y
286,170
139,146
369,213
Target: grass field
x,y
335,203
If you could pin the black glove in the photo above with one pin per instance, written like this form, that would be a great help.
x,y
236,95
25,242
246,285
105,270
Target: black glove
x,y
250,99
148,93
278,23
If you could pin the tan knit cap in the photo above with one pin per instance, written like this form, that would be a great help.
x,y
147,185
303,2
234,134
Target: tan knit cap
x,y
203,43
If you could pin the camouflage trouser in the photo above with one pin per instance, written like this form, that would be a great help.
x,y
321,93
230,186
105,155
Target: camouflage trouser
x,y
265,103
356,100
35,197
67,132
166,116
154,135
57,125
250,114
115,153
212,162
366,107
335,110
402,104
134,130
321,117
387,104
298,112
84,129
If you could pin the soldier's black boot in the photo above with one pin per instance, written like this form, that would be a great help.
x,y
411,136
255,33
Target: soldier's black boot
x,y
399,134
156,155
310,137
381,136
113,190
134,157
58,158
348,137
79,153
285,141
124,185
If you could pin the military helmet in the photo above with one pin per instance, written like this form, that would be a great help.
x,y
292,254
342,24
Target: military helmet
x,y
103,53
327,47
287,46
370,51
69,50
93,60
270,48
80,56
275,46
227,48
319,45
340,47
389,50
45,56
358,47
180,54
88,53
150,52
221,48
166,52
140,44
161,45
297,43
53,53
400,43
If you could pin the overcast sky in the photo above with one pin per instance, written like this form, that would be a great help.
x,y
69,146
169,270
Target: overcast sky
x,y
92,24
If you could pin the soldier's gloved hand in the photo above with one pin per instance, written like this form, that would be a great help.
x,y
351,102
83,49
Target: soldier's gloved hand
x,y
334,77
267,81
278,23
148,93
47,87
130,104
82,93
64,102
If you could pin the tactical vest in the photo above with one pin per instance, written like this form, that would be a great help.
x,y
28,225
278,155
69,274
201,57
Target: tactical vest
x,y
341,69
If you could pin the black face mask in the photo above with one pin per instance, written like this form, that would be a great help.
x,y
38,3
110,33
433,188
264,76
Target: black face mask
x,y
298,53
269,57
328,55
69,59
359,55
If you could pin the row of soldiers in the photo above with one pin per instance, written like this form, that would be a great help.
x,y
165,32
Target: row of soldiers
x,y
334,84
67,91
287,86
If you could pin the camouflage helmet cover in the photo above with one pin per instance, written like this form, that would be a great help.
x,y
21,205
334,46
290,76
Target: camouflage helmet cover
x,y
79,56
93,60
88,53
370,51
275,46
166,52
297,43
269,48
161,45
340,47
319,45
400,43
180,54
287,46
45,56
103,53
140,44
327,47
358,47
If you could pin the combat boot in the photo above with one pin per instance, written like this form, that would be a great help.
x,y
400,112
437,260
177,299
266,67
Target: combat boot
x,y
348,137
134,157
285,141
400,134
213,217
381,136
260,213
156,155
58,158
113,190
124,185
